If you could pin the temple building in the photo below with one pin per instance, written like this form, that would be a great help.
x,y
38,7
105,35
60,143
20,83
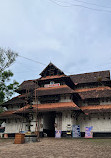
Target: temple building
x,y
56,101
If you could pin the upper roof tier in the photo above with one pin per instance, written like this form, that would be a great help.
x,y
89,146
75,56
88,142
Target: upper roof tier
x,y
51,70
91,77
52,73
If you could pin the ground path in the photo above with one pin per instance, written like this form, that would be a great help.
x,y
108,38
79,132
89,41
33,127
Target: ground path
x,y
57,148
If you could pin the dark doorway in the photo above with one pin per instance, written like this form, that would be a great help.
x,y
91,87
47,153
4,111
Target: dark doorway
x,y
48,124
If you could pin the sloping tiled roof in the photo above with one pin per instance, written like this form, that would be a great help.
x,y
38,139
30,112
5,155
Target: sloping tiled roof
x,y
105,93
24,109
29,85
53,106
77,79
96,108
20,99
49,107
51,77
8,114
68,81
91,89
63,89
91,77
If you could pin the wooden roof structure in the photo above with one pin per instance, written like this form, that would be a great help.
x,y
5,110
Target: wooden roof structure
x,y
50,73
96,108
63,89
106,93
9,114
91,77
50,69
20,99
49,107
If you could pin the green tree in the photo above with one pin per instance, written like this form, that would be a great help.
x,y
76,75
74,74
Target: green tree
x,y
7,58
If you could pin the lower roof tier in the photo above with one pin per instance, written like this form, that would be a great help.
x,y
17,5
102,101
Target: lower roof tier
x,y
96,109
49,107
55,107
9,114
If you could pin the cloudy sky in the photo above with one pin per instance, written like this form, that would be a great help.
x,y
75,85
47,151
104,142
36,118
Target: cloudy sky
x,y
74,38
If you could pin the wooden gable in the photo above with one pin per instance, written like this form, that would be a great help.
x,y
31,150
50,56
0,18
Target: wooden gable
x,y
51,70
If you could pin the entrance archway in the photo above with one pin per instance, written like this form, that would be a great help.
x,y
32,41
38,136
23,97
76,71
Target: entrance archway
x,y
48,124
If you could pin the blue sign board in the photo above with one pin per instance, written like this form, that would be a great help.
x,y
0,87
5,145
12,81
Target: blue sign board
x,y
76,131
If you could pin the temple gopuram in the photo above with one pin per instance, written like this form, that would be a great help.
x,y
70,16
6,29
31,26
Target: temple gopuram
x,y
56,101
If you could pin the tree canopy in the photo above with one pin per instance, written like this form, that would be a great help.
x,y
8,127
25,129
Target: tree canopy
x,y
7,58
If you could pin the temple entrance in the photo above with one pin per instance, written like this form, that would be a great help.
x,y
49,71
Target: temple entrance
x,y
48,124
